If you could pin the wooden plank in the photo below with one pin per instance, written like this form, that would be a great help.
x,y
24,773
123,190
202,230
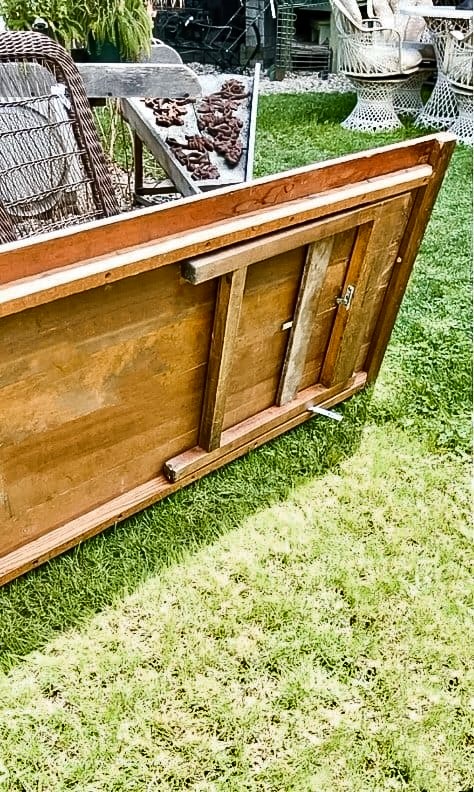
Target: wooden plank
x,y
5,508
87,274
121,80
137,163
314,273
248,433
415,228
327,307
204,268
382,256
270,295
181,178
113,380
378,257
162,53
92,241
252,133
101,389
224,333
66,536
336,363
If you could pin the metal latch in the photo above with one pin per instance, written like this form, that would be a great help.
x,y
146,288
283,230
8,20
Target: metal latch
x,y
347,298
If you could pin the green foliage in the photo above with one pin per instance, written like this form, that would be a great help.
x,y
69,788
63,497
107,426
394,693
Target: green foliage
x,y
321,644
60,15
123,23
308,130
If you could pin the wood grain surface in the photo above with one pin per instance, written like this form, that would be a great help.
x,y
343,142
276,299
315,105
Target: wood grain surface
x,y
141,353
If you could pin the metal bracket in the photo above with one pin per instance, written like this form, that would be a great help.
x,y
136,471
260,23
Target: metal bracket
x,y
315,408
347,298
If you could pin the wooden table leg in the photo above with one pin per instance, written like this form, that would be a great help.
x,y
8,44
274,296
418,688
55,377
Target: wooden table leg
x,y
137,162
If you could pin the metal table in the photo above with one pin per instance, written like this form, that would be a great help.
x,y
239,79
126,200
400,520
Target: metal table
x,y
441,108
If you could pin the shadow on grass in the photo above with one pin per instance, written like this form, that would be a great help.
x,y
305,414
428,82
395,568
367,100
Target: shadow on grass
x,y
70,589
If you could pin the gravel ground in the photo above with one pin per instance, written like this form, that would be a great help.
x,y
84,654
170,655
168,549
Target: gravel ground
x,y
301,82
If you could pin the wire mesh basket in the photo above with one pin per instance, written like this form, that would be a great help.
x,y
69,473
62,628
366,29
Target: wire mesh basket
x,y
303,36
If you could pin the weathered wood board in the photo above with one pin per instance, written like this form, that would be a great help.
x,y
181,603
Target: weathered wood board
x,y
140,352
171,79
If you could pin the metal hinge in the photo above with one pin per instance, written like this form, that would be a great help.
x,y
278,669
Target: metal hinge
x,y
347,298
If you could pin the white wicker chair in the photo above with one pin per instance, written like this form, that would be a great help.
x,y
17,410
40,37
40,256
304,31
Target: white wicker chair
x,y
374,58
458,65
414,33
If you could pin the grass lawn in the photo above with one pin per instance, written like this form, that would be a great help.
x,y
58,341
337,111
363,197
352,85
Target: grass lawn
x,y
301,620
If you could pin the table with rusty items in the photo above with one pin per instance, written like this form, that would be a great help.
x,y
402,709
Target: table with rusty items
x,y
164,129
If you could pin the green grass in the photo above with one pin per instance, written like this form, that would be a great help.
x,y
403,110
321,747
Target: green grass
x,y
302,619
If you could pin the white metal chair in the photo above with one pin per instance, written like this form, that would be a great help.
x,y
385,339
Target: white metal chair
x,y
372,55
458,66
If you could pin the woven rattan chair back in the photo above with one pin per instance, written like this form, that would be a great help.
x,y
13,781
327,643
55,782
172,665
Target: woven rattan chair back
x,y
7,229
53,171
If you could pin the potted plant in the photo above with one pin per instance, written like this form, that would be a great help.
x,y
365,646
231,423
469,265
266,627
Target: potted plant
x,y
116,29
112,30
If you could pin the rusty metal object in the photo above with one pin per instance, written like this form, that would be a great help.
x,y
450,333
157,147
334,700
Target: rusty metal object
x,y
205,171
216,117
168,112
232,152
193,154
217,103
200,143
220,128
233,89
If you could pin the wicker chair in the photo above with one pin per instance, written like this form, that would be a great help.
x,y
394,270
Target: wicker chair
x,y
414,34
7,229
374,58
53,172
458,66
